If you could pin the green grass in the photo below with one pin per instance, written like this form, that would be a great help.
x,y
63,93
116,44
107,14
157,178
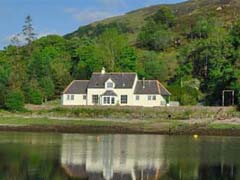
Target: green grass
x,y
128,118
51,122
223,126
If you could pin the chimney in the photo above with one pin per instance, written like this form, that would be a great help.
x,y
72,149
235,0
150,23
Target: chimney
x,y
103,71
143,83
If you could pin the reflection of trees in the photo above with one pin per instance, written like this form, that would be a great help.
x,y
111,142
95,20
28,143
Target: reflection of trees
x,y
29,156
182,156
206,158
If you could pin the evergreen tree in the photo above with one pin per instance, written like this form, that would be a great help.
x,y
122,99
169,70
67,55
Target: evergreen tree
x,y
28,30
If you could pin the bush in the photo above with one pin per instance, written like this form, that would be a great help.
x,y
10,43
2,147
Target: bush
x,y
35,97
14,101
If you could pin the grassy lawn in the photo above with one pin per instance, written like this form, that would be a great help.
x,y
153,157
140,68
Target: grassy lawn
x,y
48,122
222,126
142,126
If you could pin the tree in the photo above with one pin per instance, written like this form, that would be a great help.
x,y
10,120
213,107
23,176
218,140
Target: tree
x,y
28,30
162,39
165,17
155,37
14,100
152,66
35,96
235,34
47,88
211,62
15,40
110,44
145,37
90,59
203,27
5,71
127,60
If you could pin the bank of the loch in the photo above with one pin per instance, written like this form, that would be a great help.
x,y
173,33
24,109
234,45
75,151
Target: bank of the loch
x,y
171,120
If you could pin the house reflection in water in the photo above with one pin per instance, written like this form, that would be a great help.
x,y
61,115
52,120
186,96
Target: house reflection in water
x,y
113,156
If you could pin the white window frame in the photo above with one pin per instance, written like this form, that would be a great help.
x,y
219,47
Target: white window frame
x,y
149,98
137,98
93,100
108,82
109,85
70,97
125,101
154,97
108,100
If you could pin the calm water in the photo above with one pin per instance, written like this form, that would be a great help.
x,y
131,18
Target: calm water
x,y
35,156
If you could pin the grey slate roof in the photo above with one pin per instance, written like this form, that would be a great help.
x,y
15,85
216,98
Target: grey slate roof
x,y
109,93
77,87
121,80
163,90
151,87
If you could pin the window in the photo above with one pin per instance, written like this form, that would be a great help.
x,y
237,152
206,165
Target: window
x,y
84,97
137,98
106,100
95,99
72,97
124,99
154,98
113,100
149,98
68,97
109,85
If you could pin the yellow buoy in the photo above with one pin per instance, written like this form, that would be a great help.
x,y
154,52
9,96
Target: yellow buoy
x,y
195,136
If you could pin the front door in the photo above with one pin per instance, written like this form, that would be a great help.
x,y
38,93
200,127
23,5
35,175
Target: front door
x,y
108,100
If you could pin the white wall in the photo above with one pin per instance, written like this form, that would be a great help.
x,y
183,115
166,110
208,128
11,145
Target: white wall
x,y
143,101
119,92
78,100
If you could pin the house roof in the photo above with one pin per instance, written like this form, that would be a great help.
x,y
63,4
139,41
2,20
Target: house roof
x,y
77,87
109,93
121,80
150,87
163,90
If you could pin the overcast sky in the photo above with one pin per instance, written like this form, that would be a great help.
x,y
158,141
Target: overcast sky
x,y
62,16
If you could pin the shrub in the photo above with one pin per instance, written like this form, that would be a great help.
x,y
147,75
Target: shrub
x,y
14,100
35,97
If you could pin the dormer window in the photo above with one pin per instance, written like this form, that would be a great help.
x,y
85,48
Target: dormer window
x,y
109,84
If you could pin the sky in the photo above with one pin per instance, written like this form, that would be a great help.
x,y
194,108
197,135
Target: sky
x,y
62,16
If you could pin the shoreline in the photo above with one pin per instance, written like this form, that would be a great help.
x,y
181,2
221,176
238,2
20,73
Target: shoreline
x,y
210,121
116,130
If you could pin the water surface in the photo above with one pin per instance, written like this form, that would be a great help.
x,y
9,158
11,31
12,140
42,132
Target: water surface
x,y
34,156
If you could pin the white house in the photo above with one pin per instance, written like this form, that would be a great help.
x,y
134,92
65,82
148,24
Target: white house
x,y
124,89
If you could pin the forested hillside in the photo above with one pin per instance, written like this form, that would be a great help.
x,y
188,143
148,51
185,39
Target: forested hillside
x,y
193,48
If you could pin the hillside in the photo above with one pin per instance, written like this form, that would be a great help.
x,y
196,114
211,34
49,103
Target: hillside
x,y
226,10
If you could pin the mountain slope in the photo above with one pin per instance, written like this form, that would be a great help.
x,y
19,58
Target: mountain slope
x,y
226,10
